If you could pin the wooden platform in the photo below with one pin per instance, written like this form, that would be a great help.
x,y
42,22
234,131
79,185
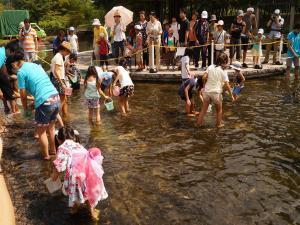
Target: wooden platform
x,y
165,75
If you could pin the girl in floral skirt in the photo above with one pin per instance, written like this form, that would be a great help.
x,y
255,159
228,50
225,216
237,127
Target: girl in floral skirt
x,y
83,172
92,93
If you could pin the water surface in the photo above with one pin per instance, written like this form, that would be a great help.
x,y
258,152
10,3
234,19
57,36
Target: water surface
x,y
162,170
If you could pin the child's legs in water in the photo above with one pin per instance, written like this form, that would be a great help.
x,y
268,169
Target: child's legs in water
x,y
219,112
98,117
126,104
91,112
122,104
204,108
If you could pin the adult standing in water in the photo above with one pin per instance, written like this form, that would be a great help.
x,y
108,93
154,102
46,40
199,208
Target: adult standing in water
x,y
34,80
216,77
143,23
250,29
97,30
119,37
154,31
58,75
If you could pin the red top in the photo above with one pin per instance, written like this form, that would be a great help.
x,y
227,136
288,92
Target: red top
x,y
103,47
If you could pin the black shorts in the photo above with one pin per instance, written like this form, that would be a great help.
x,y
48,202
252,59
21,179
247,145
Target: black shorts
x,y
184,98
245,41
6,88
127,91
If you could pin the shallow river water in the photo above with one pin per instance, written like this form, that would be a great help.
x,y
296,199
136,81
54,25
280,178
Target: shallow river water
x,y
162,170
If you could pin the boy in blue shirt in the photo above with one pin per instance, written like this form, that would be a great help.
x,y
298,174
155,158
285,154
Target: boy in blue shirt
x,y
33,79
293,51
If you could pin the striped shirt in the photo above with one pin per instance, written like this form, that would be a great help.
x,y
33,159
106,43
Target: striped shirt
x,y
28,39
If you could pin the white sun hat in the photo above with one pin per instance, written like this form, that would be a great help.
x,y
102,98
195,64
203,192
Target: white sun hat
x,y
96,22
71,29
277,11
220,23
250,9
204,15
261,31
236,66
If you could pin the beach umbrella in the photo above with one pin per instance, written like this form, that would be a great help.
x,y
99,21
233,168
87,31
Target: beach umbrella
x,y
126,16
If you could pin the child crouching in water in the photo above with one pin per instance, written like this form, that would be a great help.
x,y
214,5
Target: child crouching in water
x,y
186,93
239,79
92,93
126,89
83,172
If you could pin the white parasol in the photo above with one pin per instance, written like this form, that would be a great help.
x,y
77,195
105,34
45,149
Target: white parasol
x,y
126,16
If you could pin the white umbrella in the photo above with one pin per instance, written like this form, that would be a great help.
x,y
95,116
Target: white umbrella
x,y
126,16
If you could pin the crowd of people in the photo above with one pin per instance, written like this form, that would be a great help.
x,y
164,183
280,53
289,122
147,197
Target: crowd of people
x,y
47,95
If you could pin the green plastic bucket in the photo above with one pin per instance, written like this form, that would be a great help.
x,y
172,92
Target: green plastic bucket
x,y
109,105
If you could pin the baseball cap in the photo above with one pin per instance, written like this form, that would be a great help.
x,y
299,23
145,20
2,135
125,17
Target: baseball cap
x,y
71,29
260,31
220,23
277,11
240,13
236,65
250,9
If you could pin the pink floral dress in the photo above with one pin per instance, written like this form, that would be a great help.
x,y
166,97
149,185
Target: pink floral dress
x,y
73,159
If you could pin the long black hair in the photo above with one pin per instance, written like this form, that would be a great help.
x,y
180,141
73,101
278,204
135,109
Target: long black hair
x,y
91,72
66,133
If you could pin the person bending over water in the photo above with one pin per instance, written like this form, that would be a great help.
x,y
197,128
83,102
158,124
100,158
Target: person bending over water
x,y
83,172
216,76
33,79
186,93
126,89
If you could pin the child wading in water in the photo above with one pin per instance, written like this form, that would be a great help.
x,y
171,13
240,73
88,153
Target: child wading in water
x,y
256,49
72,72
92,93
186,93
83,172
239,79
126,89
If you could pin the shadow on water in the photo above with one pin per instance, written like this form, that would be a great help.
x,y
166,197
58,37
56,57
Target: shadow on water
x,y
160,169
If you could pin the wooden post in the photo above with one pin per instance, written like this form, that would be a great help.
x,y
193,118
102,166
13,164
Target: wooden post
x,y
257,16
292,16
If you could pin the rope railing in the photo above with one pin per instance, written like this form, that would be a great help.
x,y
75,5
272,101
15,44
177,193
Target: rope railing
x,y
212,44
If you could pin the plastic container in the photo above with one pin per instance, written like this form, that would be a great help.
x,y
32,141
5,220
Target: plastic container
x,y
68,91
53,186
109,104
116,91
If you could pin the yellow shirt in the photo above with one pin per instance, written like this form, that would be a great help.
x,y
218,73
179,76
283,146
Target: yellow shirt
x,y
97,31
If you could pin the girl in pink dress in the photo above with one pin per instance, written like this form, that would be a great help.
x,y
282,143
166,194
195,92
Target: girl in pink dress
x,y
83,172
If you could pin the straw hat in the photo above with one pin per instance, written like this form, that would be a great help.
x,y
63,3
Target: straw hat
x,y
66,45
236,66
117,14
96,22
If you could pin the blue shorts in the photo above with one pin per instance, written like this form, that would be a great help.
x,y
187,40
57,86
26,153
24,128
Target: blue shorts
x,y
47,112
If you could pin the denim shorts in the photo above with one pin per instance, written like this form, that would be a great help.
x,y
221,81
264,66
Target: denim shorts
x,y
47,112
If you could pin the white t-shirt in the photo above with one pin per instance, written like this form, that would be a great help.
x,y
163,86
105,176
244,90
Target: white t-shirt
x,y
73,41
119,32
185,67
125,79
99,71
58,60
174,27
215,79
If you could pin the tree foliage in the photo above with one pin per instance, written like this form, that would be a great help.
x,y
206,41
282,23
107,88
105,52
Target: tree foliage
x,y
55,14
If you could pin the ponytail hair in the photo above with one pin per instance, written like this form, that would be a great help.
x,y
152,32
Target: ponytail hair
x,y
66,133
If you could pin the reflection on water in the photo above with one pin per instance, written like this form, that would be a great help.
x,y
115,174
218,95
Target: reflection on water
x,y
161,170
